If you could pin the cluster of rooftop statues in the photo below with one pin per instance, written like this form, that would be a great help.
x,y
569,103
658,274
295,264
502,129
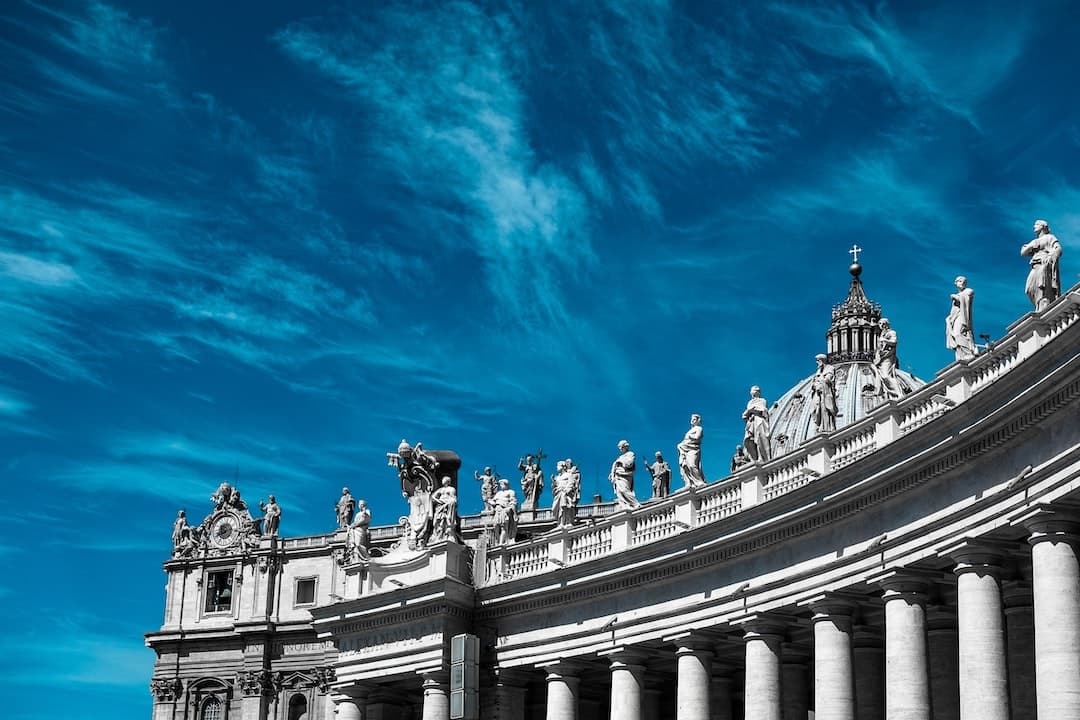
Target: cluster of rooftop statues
x,y
433,512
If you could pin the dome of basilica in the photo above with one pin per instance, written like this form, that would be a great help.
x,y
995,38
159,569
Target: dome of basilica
x,y
850,346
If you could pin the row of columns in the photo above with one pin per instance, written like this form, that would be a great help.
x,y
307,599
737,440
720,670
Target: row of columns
x,y
999,633
996,634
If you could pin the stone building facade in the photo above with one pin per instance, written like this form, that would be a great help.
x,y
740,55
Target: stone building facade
x,y
921,561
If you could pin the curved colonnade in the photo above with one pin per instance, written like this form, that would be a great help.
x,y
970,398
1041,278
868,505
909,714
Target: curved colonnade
x,y
921,563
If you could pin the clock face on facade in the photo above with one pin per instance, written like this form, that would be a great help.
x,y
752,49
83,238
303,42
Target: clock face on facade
x,y
225,530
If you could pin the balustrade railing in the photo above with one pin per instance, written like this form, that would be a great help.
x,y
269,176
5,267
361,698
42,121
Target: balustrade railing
x,y
594,542
854,446
757,484
719,500
786,477
659,523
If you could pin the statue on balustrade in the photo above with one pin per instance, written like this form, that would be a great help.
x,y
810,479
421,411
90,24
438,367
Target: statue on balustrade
x,y
345,506
184,536
622,477
504,521
566,493
661,476
739,459
886,382
532,480
959,335
1044,279
690,454
445,513
823,395
271,517
489,485
358,539
756,434
416,472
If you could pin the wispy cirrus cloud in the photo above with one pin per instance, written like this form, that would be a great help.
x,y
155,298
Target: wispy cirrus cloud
x,y
449,125
181,466
101,55
921,55
89,656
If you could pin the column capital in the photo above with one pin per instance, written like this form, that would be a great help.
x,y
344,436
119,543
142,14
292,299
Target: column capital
x,y
434,677
911,583
1059,522
983,556
832,606
764,626
349,693
628,657
691,640
563,669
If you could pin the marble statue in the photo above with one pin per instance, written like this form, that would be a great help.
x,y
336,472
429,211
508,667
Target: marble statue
x,y
227,496
1044,279
690,454
416,471
959,335
271,517
358,538
179,529
504,522
444,513
186,538
345,506
489,484
661,476
566,492
823,395
622,477
756,435
886,383
532,480
739,459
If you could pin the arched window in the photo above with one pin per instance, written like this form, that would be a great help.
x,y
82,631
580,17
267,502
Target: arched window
x,y
211,709
297,707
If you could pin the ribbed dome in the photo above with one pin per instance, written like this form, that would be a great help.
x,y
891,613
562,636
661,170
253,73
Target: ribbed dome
x,y
850,343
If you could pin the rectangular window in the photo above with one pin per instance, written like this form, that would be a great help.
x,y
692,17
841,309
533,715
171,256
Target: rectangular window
x,y
219,591
305,591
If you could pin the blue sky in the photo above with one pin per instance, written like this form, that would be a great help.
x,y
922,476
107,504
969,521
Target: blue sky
x,y
269,240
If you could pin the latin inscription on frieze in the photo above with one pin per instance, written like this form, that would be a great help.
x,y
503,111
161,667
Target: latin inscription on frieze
x,y
303,648
392,640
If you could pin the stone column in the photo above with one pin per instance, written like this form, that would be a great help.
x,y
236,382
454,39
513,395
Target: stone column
x,y
984,678
907,679
436,696
510,689
944,663
869,655
350,703
834,680
627,684
795,682
1055,570
693,660
562,692
1020,634
762,688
